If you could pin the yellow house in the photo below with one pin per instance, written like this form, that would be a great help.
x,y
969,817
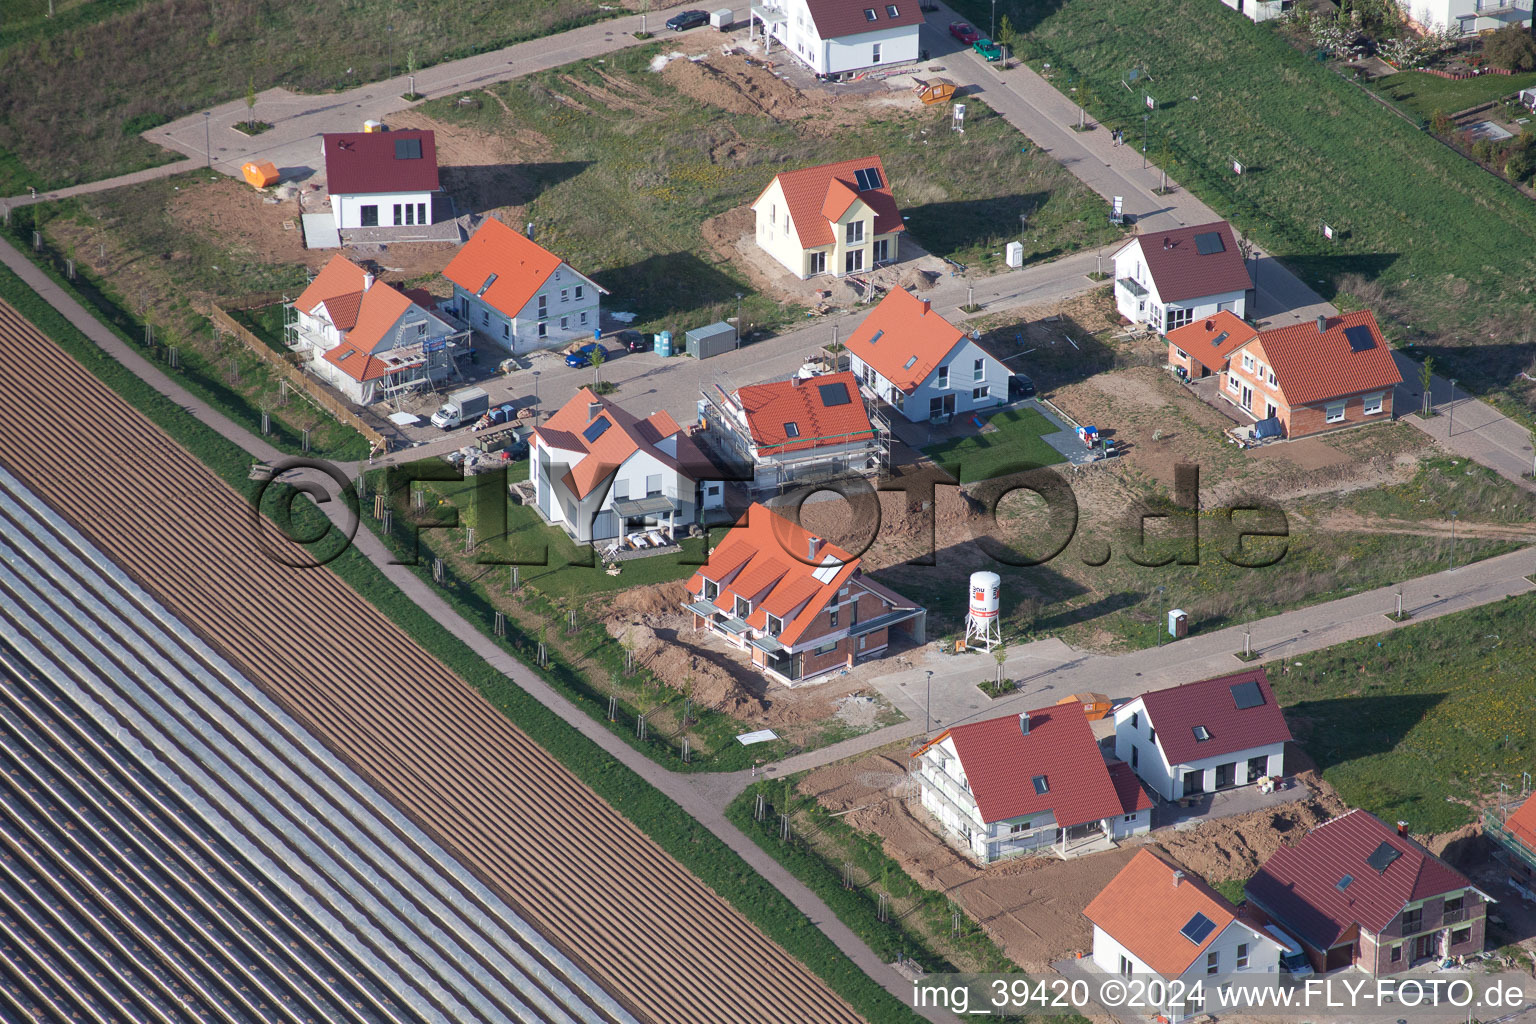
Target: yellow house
x,y
834,219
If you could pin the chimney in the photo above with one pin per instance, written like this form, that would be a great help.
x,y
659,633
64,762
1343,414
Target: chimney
x,y
529,232
926,306
1167,242
1023,723
1322,324
811,544
1178,876
1402,828
367,280
593,408
1210,325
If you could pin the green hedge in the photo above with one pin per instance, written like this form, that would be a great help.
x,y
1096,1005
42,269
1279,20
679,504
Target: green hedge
x,y
658,816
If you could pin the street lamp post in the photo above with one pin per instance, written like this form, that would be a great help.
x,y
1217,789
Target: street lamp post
x,y
1453,540
993,36
1161,601
1143,141
1450,409
928,714
738,320
535,395
208,138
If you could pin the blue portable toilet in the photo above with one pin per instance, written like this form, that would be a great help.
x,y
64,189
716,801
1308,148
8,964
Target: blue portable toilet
x,y
664,344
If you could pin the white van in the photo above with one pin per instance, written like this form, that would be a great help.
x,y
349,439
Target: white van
x,y
1293,960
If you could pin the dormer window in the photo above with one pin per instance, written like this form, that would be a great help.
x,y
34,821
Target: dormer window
x,y
775,625
743,607
711,590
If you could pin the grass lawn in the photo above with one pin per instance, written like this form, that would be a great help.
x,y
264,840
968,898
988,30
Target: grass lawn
x,y
628,180
1416,225
63,127
1015,441
1422,94
1419,724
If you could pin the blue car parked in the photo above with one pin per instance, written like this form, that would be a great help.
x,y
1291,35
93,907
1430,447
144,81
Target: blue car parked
x,y
583,356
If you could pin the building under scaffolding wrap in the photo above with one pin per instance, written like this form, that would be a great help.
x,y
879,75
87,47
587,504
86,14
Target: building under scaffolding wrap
x,y
794,430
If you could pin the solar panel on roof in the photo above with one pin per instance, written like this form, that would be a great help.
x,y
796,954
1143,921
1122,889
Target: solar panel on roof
x,y
834,394
595,429
1383,856
1360,338
1042,785
1198,928
407,149
868,178
1247,695
1208,242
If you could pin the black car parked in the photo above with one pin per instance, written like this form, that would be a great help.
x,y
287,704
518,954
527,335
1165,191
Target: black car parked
x,y
687,20
1020,386
633,341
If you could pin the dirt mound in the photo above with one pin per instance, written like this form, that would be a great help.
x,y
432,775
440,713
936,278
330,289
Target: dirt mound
x,y
712,685
1234,847
916,280
657,599
736,86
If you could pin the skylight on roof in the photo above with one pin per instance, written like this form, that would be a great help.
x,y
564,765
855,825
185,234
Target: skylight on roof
x,y
869,177
595,429
876,336
1360,338
834,394
1343,883
890,9
407,149
1042,785
1383,856
1247,695
1223,336
1202,733
870,15
1208,242
791,430
911,362
488,282
1198,928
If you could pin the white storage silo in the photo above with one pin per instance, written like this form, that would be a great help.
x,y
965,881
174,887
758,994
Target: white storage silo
x,y
982,626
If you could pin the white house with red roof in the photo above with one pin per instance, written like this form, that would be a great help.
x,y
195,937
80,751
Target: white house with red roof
x,y
833,219
1166,279
1358,893
788,431
520,295
1030,783
601,474
1154,920
798,604
922,365
368,339
1203,737
382,179
837,38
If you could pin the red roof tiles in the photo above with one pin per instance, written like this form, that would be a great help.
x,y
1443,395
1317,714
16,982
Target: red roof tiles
x,y
363,311
1299,885
1180,271
1522,824
770,409
903,339
812,191
834,18
1210,340
1176,712
1133,795
1312,366
359,163
624,436
520,265
1000,763
1145,907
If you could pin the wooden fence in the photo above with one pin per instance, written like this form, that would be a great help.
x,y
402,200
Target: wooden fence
x,y
290,371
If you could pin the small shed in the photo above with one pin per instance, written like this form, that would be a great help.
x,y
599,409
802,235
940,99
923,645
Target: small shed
x,y
260,175
934,90
722,19
704,342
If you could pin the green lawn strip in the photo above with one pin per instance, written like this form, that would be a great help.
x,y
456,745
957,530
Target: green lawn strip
x,y
197,372
1413,221
911,933
1422,94
721,868
1014,443
1443,485
1420,724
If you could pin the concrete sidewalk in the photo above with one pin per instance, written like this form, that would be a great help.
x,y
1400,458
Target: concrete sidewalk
x,y
1468,427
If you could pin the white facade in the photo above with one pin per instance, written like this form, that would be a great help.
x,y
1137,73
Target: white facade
x,y
789,23
1137,744
1260,10
1467,17
382,209
1137,299
1236,944
566,309
967,380
418,339
593,518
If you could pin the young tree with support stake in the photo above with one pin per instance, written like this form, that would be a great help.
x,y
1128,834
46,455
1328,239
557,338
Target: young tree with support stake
x,y
597,357
1426,378
250,104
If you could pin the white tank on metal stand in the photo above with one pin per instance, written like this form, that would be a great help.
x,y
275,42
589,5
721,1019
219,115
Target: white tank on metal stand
x,y
982,627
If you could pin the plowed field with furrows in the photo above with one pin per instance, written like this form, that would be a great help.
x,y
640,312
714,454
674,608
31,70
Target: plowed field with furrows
x,y
628,913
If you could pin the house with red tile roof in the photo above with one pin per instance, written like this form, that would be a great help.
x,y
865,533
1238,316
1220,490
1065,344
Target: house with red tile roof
x,y
838,38
368,339
1357,892
1155,919
1512,838
1203,737
1031,783
612,480
800,606
922,365
785,432
384,179
1166,279
518,295
836,219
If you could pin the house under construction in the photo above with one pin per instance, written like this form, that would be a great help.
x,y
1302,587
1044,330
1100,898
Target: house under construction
x,y
787,432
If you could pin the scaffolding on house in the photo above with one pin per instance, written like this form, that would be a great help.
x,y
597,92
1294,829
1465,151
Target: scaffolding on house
x,y
409,368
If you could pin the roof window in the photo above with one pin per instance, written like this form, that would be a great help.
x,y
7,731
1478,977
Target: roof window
x,y
791,430
870,15
407,149
1042,785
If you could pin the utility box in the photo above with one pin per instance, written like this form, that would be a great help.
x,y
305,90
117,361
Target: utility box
x,y
1015,254
1178,623
704,342
722,19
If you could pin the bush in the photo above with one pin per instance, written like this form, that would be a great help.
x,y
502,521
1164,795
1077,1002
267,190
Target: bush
x,y
1441,124
1512,49
1518,167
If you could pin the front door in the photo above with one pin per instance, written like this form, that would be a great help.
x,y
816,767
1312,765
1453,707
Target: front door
x,y
1258,767
1226,775
882,250
1424,946
1247,397
368,215
1194,783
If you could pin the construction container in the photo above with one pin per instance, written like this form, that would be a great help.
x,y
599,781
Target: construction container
x,y
373,126
934,90
1178,623
260,175
1094,705
722,19
704,342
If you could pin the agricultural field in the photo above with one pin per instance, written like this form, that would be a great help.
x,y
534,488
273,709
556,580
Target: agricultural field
x,y
1424,723
62,127
1416,225
620,165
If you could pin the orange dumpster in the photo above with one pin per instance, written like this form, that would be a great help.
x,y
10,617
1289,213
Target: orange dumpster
x,y
934,90
260,175
1095,705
